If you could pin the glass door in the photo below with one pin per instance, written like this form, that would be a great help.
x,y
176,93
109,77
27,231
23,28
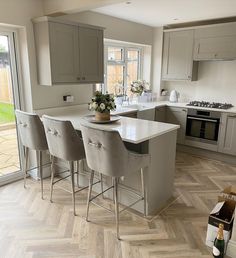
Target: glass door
x,y
10,152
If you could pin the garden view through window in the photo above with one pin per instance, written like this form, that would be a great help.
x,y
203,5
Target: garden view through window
x,y
122,67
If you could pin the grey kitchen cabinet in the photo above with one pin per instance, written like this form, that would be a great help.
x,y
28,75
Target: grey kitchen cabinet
x,y
64,52
227,136
177,116
160,114
91,55
177,61
130,114
68,53
146,114
216,42
215,48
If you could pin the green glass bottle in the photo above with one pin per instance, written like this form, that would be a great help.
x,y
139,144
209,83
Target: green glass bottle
x,y
219,243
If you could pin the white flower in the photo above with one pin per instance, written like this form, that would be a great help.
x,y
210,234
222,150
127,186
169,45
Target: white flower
x,y
94,105
102,106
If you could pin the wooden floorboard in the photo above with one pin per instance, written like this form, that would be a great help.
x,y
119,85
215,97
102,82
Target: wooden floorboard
x,y
35,228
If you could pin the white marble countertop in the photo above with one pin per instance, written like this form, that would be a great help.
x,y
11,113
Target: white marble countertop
x,y
131,129
146,105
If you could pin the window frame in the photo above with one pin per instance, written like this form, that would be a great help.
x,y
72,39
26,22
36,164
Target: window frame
x,y
124,62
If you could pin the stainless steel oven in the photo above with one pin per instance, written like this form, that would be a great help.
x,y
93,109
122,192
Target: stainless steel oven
x,y
203,126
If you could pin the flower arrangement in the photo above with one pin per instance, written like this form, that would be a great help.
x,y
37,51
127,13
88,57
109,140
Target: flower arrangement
x,y
138,87
102,102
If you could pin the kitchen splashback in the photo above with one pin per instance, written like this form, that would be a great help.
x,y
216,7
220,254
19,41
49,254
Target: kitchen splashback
x,y
216,82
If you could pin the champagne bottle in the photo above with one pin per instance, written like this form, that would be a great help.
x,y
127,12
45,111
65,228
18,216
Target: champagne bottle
x,y
219,243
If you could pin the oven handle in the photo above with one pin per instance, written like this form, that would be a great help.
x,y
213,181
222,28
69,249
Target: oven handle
x,y
203,119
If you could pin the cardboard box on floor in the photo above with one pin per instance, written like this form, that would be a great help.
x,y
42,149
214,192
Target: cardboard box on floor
x,y
223,213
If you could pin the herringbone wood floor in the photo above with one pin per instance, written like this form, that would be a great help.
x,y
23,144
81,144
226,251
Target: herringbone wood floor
x,y
31,227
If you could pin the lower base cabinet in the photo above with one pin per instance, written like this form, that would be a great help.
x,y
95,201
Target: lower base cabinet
x,y
131,114
227,135
160,114
177,116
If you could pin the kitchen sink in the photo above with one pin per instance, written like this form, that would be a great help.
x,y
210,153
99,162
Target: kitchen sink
x,y
139,107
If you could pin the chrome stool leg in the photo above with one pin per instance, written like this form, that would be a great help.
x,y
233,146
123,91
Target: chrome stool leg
x,y
101,179
89,193
26,158
71,164
77,168
116,207
143,193
40,171
52,176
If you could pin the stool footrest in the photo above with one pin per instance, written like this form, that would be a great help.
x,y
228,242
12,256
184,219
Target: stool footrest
x,y
101,192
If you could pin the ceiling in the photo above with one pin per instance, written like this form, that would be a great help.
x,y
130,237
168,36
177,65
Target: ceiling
x,y
162,12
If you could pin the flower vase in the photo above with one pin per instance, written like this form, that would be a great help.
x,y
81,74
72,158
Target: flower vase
x,y
105,116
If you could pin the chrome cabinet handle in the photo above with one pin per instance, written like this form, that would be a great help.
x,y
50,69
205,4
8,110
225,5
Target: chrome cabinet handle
x,y
97,145
232,116
78,78
202,119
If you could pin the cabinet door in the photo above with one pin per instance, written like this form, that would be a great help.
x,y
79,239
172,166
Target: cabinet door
x,y
213,48
178,55
160,114
63,52
227,139
177,116
132,115
147,114
91,55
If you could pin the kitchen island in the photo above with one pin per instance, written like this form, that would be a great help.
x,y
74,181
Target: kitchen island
x,y
155,138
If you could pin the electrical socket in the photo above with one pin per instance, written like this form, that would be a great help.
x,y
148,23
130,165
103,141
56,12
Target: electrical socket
x,y
68,98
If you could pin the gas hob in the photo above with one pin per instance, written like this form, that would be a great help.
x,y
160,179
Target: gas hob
x,y
210,104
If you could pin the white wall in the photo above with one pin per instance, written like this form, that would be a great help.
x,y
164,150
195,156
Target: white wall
x,y
18,14
116,29
157,59
216,82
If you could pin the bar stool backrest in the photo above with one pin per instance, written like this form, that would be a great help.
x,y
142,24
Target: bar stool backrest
x,y
31,131
105,151
63,140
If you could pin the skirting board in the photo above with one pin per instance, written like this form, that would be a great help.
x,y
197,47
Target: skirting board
x,y
207,154
231,249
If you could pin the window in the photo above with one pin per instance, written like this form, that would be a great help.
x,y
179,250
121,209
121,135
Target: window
x,y
122,66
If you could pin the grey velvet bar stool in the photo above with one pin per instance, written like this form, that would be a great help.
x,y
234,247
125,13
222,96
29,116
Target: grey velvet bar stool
x,y
32,136
63,143
107,154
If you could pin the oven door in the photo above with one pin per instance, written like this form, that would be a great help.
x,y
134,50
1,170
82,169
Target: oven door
x,y
202,129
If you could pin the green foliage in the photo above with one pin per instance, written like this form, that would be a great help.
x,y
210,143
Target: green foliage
x,y
3,48
102,102
6,113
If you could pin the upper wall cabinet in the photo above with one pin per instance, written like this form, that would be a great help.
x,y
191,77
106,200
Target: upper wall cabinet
x,y
68,53
91,55
215,42
178,56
